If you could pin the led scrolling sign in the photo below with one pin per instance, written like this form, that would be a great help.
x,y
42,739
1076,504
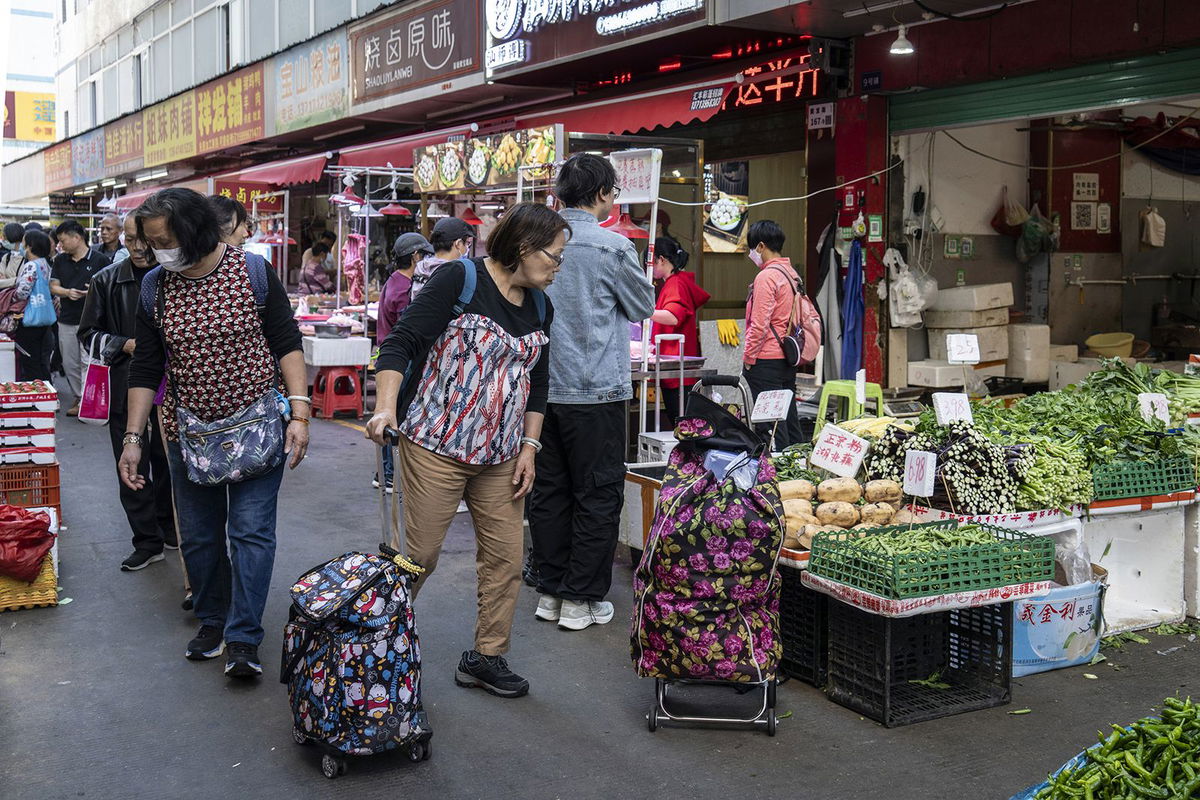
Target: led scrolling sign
x,y
520,30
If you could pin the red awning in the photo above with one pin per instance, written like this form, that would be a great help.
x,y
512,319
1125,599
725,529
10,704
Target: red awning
x,y
130,201
397,152
307,169
645,111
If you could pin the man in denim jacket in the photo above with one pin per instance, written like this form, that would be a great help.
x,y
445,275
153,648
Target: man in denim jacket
x,y
575,508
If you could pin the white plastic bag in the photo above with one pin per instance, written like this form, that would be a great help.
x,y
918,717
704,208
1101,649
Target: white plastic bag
x,y
905,297
1154,228
1072,554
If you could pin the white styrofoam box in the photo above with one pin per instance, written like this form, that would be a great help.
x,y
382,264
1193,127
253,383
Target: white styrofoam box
x,y
1064,373
1058,629
8,360
42,420
354,351
1029,352
936,374
1144,555
993,342
974,298
26,437
655,447
42,401
988,317
27,455
1191,559
641,497
1064,352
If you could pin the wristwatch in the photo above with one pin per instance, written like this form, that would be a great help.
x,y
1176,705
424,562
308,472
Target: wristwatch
x,y
133,438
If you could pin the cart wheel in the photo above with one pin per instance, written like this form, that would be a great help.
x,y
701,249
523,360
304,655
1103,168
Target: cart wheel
x,y
428,751
298,736
771,694
652,718
416,752
329,767
343,766
771,722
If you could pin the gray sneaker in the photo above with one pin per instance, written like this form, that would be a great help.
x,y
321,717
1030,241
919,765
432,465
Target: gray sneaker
x,y
576,616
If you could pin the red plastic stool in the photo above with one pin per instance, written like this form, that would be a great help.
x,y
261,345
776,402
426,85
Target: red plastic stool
x,y
337,389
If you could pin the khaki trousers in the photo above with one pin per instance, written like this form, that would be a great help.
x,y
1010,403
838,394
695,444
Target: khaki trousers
x,y
433,485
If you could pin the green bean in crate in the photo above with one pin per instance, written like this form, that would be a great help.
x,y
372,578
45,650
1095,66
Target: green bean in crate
x,y
932,558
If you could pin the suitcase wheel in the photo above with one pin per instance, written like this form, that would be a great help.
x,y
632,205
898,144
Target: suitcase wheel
x,y
299,737
332,767
420,751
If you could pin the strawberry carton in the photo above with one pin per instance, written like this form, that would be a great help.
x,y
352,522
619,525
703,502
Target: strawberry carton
x,y
28,418
35,395
27,455
26,437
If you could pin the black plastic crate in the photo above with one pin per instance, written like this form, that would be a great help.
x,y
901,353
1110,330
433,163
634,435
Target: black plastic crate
x,y
803,626
875,662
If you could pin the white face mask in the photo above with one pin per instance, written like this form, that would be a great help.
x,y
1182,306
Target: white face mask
x,y
756,257
171,260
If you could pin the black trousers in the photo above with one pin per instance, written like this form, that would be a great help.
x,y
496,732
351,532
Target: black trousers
x,y
149,510
766,375
35,347
575,508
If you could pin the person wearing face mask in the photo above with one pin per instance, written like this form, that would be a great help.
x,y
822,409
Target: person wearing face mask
x,y
109,245
71,274
111,311
225,322
679,301
768,311
35,344
14,254
474,430
451,239
314,279
235,222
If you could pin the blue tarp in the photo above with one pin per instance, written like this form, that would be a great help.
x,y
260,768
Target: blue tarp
x,y
852,313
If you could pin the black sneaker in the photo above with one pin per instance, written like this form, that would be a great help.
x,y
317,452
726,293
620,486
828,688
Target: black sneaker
x,y
529,573
242,661
140,560
490,673
187,604
207,644
171,541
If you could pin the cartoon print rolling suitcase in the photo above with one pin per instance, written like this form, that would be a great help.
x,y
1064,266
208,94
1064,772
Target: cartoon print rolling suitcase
x,y
351,656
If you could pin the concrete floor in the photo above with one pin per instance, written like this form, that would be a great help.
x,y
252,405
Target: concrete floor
x,y
97,701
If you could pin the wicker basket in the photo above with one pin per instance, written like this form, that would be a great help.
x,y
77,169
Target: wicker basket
x,y
15,594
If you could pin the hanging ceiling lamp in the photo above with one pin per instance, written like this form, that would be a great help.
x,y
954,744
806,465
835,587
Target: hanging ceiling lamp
x,y
394,209
347,197
902,46
367,210
470,217
626,227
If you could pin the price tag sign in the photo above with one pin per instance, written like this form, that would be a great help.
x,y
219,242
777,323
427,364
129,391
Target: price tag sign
x,y
951,407
860,388
920,467
839,451
772,406
1154,406
962,348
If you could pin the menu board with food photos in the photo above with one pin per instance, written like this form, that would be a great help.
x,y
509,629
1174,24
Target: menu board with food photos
x,y
482,162
727,189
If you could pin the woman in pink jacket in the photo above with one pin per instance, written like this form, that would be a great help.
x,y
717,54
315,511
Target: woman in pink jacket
x,y
768,310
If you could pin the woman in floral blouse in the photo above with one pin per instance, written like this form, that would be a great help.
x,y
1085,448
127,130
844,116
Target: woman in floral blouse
x,y
224,347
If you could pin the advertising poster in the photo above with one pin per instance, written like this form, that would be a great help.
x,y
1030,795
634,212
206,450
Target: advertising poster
x,y
727,187
310,83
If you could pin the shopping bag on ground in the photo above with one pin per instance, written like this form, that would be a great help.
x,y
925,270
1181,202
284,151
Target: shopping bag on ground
x,y
25,539
94,405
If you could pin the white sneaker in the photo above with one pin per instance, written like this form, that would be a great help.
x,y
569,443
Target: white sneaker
x,y
549,608
576,616
462,507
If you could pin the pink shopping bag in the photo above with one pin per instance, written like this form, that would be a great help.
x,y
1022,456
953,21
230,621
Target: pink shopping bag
x,y
94,405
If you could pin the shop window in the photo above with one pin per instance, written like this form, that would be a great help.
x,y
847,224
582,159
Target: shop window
x,y
160,59
111,94
294,22
124,41
182,74
210,46
331,13
162,19
180,11
260,30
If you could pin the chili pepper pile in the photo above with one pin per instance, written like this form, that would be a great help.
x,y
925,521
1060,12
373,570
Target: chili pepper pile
x,y
1153,757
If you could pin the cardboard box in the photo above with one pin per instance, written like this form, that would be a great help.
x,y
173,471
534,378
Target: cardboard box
x,y
939,374
1064,352
1064,373
966,319
1029,352
993,342
974,298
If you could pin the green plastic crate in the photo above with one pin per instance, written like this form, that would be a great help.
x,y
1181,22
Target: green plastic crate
x,y
1121,479
1015,557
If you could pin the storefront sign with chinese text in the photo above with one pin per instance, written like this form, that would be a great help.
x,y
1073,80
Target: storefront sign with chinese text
x,y
57,162
29,116
522,34
779,81
820,115
310,83
169,130
229,111
246,192
419,46
87,157
123,146
838,451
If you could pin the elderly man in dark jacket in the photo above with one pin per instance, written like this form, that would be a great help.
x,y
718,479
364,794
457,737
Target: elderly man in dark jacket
x,y
111,310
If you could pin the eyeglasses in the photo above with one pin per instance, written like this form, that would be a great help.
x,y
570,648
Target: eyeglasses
x,y
557,259
616,192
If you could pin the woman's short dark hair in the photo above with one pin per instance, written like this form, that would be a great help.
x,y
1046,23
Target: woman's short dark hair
x,y
669,249
70,227
228,209
524,228
38,243
767,233
583,179
13,232
34,226
319,248
190,217
328,236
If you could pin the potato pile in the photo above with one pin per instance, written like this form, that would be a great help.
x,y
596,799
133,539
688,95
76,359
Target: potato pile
x,y
841,504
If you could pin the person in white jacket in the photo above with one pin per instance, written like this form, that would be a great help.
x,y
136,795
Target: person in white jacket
x,y
14,254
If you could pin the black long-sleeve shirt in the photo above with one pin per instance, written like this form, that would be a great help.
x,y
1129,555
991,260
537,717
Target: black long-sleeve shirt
x,y
430,313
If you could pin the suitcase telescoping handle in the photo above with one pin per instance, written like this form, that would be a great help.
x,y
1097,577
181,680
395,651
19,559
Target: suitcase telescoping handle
x,y
658,404
392,523
734,381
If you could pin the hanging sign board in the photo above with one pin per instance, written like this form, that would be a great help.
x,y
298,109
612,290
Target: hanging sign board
x,y
920,466
838,451
952,407
962,348
820,115
1154,406
638,174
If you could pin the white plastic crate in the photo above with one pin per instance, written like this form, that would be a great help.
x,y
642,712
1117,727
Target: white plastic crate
x,y
655,447
43,420
26,437
1144,555
27,455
